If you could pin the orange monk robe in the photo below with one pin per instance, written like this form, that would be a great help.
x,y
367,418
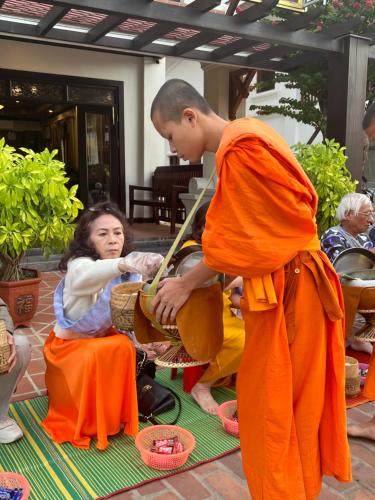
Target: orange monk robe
x,y
290,395
369,389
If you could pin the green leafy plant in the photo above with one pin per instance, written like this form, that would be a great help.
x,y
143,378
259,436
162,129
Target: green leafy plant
x,y
325,166
36,208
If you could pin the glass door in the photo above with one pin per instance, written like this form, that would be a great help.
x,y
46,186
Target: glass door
x,y
98,155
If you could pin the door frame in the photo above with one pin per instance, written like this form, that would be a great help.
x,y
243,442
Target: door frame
x,y
65,81
82,150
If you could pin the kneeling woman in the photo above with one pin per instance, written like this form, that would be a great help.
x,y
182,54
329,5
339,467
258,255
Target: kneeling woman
x,y
90,373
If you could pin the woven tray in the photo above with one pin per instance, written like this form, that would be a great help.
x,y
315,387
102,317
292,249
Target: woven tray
x,y
367,335
4,348
177,357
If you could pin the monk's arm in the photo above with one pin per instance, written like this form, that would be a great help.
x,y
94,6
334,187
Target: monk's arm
x,y
174,292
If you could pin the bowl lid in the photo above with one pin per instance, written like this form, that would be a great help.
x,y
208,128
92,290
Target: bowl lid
x,y
354,259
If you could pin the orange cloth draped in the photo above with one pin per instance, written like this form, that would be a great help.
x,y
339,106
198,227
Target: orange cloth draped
x,y
91,389
291,379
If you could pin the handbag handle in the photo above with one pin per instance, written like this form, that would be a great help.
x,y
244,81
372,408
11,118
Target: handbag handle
x,y
154,421
154,285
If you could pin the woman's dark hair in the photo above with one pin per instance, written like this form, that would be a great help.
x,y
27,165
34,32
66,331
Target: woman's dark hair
x,y
197,226
80,245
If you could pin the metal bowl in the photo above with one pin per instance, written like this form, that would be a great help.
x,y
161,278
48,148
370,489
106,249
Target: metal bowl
x,y
354,259
187,258
364,278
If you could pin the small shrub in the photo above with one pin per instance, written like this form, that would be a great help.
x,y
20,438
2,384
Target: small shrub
x,y
325,166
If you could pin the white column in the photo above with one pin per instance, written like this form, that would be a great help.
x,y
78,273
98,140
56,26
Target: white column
x,y
153,143
216,92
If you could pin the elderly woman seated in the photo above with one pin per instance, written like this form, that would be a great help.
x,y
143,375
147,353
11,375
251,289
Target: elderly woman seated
x,y
355,214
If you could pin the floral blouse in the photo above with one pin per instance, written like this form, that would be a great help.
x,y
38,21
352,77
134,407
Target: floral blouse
x,y
336,239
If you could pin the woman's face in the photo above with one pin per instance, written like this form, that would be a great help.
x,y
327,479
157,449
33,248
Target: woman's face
x,y
107,236
362,221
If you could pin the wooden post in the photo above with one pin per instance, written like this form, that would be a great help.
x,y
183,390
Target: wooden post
x,y
347,79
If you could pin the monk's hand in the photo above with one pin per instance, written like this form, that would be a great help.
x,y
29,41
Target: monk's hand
x,y
12,358
171,296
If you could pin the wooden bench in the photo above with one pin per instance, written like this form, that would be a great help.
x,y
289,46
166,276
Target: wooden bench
x,y
167,183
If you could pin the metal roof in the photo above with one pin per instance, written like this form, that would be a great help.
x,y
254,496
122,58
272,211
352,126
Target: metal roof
x,y
242,36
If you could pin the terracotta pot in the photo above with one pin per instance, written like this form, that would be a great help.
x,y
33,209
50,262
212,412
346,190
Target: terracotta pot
x,y
21,298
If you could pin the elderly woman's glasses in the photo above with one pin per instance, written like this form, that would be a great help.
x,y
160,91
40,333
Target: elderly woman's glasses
x,y
367,214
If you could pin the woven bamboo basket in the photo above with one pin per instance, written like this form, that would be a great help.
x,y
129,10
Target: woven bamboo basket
x,y
122,303
352,377
177,357
4,348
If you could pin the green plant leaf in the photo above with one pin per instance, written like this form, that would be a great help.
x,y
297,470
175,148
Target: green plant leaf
x,y
36,208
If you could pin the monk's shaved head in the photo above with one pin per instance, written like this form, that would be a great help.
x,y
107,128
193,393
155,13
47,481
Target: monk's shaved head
x,y
175,96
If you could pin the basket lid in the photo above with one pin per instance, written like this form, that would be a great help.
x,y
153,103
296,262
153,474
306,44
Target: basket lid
x,y
354,259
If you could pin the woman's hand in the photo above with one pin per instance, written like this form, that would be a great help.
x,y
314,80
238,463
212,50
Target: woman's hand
x,y
12,358
145,263
171,296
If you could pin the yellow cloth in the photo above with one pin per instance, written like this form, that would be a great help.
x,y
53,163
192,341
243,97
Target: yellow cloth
x,y
227,360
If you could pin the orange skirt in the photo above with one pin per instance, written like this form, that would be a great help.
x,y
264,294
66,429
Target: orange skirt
x,y
91,388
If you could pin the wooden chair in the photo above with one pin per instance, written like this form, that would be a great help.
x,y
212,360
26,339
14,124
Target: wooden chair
x,y
167,184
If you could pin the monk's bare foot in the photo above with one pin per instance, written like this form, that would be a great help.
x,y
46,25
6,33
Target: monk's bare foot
x,y
358,345
202,395
363,430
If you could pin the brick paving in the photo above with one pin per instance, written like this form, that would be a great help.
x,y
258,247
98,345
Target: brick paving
x,y
222,478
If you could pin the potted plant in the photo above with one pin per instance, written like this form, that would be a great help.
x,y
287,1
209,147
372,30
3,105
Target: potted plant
x,y
36,210
325,166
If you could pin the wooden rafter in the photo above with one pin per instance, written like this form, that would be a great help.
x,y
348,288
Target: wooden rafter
x,y
53,16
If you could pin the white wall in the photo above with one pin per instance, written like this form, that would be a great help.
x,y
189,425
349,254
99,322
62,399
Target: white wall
x,y
291,130
191,72
84,63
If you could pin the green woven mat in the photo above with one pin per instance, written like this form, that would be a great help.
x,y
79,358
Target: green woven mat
x,y
63,472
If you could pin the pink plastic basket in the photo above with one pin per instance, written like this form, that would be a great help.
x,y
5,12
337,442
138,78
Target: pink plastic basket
x,y
14,480
144,441
225,413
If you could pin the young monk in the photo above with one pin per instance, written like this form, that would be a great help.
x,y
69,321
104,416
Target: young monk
x,y
90,373
227,360
261,226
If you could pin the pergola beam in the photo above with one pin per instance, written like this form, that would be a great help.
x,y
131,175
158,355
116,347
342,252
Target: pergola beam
x,y
230,49
255,12
268,54
194,42
233,4
343,28
346,100
299,21
187,18
53,16
203,5
152,34
102,28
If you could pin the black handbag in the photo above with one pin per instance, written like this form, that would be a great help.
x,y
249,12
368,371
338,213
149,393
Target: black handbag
x,y
143,365
154,399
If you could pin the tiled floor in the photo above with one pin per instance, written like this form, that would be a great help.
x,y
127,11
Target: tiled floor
x,y
221,479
